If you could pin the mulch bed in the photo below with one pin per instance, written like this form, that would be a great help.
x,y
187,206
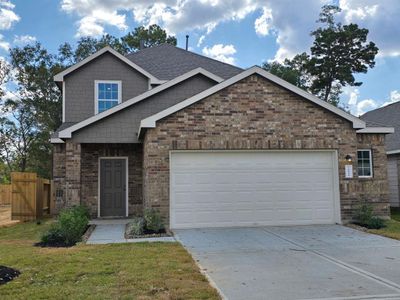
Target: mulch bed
x,y
7,274
147,234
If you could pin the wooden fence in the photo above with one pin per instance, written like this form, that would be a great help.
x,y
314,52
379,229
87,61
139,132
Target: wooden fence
x,y
5,194
31,196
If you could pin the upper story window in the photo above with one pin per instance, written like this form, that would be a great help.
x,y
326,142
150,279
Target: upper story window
x,y
364,163
107,95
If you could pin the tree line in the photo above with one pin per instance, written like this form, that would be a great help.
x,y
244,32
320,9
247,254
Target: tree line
x,y
31,108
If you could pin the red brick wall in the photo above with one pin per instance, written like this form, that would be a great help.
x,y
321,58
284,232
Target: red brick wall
x,y
257,114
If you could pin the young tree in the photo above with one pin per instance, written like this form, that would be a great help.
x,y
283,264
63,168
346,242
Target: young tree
x,y
151,36
18,133
292,70
338,52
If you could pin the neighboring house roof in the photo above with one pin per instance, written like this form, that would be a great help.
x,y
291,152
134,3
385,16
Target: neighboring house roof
x,y
167,62
153,80
67,133
150,122
388,115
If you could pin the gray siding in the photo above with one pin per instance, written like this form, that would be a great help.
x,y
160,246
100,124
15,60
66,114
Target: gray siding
x,y
123,126
79,85
394,180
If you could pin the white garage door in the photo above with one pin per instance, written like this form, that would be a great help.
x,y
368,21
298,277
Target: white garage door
x,y
219,189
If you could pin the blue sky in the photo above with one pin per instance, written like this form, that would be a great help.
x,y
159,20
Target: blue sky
x,y
242,32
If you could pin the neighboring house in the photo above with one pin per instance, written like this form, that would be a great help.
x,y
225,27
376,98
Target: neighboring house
x,y
209,144
390,115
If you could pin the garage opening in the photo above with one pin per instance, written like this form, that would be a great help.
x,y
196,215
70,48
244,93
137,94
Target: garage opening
x,y
253,188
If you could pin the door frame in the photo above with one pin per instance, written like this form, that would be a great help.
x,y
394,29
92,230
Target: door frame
x,y
126,179
337,214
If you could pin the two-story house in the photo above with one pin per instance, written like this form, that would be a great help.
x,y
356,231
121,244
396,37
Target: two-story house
x,y
209,144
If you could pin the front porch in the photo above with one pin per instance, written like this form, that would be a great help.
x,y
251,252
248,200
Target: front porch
x,y
89,174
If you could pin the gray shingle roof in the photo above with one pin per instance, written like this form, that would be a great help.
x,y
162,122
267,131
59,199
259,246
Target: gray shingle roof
x,y
167,62
386,116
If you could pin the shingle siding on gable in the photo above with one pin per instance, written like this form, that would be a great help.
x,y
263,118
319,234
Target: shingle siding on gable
x,y
79,85
122,127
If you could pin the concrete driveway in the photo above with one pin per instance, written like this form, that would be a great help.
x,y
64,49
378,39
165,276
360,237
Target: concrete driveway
x,y
301,262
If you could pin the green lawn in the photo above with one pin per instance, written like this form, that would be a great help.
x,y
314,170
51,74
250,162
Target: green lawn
x,y
392,229
119,271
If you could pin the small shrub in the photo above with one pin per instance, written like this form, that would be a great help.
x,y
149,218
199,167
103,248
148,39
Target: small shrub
x,y
376,223
136,227
365,217
69,228
364,214
153,221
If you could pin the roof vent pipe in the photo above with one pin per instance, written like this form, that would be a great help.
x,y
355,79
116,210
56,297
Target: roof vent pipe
x,y
141,44
187,42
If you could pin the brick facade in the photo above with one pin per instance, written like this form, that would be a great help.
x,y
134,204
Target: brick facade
x,y
257,114
253,114
76,169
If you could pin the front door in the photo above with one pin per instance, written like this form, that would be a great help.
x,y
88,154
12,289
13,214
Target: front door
x,y
112,187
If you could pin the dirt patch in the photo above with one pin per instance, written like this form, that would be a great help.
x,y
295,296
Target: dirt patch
x,y
7,274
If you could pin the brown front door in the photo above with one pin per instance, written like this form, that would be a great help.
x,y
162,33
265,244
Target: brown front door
x,y
113,187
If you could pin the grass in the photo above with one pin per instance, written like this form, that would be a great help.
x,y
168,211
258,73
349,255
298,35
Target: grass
x,y
392,229
118,271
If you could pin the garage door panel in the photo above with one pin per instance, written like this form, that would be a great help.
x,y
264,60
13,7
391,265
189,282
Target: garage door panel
x,y
213,189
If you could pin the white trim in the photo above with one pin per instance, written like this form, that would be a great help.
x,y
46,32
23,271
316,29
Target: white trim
x,y
335,168
371,166
127,183
96,92
67,133
150,122
60,76
56,141
393,152
376,130
63,101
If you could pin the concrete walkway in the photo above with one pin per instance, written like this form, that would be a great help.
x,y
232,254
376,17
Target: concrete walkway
x,y
113,232
296,262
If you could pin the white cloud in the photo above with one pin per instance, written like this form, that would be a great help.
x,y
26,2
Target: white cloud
x,y
394,97
262,25
24,39
221,52
3,44
364,106
290,21
7,16
201,40
358,107
380,17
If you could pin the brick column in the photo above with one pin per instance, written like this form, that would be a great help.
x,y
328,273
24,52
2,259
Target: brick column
x,y
73,174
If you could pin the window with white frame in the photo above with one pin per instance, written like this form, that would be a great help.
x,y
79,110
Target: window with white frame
x,y
107,95
364,163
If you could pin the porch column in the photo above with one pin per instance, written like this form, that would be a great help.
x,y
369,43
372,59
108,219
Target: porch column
x,y
73,174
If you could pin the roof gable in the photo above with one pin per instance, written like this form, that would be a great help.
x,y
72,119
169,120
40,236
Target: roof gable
x,y
150,122
60,76
67,133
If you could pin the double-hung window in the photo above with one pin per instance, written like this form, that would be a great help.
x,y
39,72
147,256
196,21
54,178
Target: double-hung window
x,y
364,163
107,95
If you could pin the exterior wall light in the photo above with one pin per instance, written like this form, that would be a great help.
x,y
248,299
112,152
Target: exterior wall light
x,y
348,158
